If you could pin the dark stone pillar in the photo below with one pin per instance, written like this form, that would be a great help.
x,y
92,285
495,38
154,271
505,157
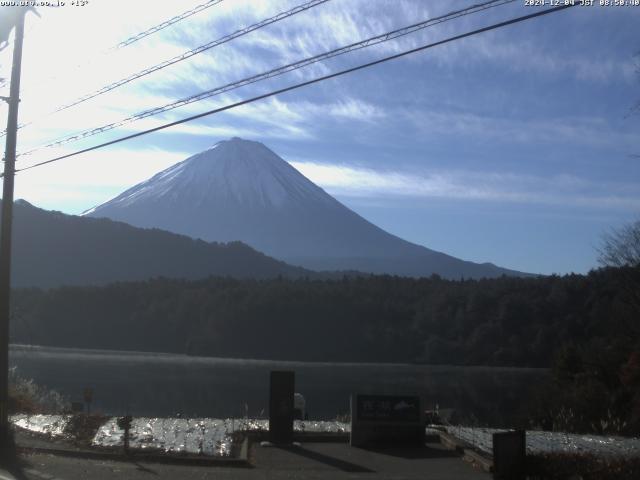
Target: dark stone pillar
x,y
281,407
509,454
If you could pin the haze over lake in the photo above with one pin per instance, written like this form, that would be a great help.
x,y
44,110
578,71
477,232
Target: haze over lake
x,y
163,385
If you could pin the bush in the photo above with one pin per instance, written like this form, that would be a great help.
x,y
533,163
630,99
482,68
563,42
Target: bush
x,y
25,396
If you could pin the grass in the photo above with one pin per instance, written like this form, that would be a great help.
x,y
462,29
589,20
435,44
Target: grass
x,y
557,466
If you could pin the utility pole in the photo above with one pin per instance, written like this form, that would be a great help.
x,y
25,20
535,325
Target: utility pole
x,y
5,233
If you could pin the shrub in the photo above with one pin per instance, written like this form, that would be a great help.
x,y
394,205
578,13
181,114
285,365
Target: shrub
x,y
25,396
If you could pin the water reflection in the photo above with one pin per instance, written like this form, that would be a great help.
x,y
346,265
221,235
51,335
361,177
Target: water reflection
x,y
162,385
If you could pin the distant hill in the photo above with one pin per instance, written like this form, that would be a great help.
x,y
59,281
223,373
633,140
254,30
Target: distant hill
x,y
52,249
241,190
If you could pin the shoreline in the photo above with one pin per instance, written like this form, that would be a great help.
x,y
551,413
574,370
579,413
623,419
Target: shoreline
x,y
144,355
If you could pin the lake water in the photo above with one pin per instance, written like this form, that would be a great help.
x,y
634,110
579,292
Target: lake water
x,y
151,384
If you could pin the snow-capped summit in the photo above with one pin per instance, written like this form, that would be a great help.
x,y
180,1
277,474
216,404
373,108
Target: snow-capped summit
x,y
234,171
241,190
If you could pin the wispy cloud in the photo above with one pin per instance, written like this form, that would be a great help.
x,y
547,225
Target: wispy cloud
x,y
269,118
562,190
91,178
327,26
573,130
523,55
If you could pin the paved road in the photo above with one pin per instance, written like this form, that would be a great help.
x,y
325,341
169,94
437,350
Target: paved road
x,y
333,461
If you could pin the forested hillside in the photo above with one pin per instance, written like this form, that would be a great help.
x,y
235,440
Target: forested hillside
x,y
584,327
505,321
51,249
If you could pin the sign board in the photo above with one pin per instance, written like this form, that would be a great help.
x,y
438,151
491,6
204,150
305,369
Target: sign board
x,y
88,394
281,407
386,420
509,453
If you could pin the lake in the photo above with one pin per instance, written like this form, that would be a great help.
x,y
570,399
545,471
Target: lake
x,y
160,385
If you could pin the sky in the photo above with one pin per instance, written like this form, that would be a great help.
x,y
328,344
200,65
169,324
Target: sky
x,y
518,146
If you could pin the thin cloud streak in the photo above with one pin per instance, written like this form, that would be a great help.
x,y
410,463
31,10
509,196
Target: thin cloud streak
x,y
576,130
91,178
561,190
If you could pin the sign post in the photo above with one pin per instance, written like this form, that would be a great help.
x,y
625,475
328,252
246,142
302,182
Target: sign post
x,y
88,398
125,424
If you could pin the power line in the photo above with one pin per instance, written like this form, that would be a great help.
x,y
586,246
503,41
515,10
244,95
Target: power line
x,y
304,84
188,54
385,37
134,39
166,24
195,51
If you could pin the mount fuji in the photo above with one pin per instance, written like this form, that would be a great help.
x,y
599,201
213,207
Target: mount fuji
x,y
241,190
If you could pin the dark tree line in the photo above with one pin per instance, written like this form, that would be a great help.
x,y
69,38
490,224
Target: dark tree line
x,y
505,321
582,326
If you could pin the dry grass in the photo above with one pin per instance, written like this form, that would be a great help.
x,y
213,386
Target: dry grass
x,y
563,466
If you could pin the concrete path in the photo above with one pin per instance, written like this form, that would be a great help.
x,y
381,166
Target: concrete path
x,y
4,475
333,461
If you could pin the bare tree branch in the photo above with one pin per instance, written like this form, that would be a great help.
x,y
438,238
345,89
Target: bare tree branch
x,y
621,248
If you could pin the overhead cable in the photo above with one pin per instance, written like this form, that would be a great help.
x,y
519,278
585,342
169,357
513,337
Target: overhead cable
x,y
135,38
385,37
188,54
304,84
166,24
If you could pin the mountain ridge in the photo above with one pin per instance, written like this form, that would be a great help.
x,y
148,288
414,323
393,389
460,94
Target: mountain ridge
x,y
241,190
52,249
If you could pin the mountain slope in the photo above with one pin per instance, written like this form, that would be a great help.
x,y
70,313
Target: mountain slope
x,y
241,190
53,249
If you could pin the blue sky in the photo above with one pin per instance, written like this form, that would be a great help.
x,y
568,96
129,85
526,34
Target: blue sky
x,y
515,146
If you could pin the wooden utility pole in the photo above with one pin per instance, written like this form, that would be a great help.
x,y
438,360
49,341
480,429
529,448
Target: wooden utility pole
x,y
5,233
